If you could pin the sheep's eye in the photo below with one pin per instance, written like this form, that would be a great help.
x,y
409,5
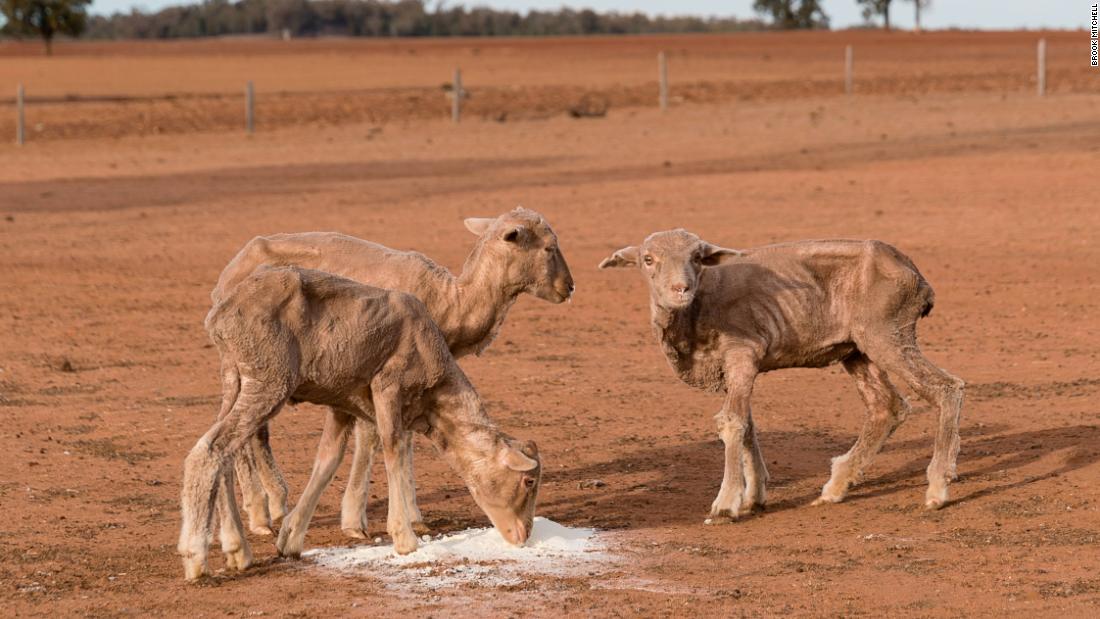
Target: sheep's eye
x,y
529,482
648,261
551,249
697,258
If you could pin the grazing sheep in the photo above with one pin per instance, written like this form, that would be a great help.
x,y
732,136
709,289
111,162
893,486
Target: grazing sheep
x,y
723,316
516,252
289,334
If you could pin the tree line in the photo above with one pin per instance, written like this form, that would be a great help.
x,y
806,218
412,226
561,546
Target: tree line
x,y
387,18
381,18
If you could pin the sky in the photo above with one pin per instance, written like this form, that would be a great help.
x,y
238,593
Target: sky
x,y
980,14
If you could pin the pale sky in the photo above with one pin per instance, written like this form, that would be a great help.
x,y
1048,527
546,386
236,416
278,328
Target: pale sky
x,y
981,14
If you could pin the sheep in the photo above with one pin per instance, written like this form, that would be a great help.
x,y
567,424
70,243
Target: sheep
x,y
286,334
722,316
515,253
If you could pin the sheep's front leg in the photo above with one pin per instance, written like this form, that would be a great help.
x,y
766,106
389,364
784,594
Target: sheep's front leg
x,y
734,426
756,472
395,451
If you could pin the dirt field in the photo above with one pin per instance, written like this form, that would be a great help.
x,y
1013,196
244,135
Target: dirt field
x,y
109,247
148,88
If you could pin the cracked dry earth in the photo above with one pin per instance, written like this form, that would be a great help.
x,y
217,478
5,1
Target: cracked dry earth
x,y
108,249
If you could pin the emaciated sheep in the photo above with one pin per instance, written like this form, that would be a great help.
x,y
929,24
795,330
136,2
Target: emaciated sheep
x,y
288,334
515,253
723,316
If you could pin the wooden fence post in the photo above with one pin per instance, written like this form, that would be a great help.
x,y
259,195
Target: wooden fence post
x,y
848,70
20,126
456,96
1042,53
662,77
250,108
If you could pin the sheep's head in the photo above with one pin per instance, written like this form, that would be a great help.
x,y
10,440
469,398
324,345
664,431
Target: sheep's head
x,y
505,486
527,249
672,262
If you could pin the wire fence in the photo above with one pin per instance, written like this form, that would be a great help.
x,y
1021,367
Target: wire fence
x,y
47,118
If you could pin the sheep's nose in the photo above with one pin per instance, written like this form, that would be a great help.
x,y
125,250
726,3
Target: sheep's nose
x,y
679,288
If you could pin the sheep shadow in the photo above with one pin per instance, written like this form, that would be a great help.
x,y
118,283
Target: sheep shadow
x,y
683,478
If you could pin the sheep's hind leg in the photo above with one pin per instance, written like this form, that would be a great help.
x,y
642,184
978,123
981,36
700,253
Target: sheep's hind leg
x,y
206,463
252,490
330,451
886,410
353,507
238,555
939,389
275,487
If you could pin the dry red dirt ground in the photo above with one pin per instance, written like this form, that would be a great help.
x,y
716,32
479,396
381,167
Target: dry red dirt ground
x,y
108,249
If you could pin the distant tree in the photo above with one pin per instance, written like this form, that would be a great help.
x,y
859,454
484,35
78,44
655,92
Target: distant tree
x,y
791,14
44,18
917,6
871,8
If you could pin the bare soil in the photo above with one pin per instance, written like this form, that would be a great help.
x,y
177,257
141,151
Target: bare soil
x,y
109,247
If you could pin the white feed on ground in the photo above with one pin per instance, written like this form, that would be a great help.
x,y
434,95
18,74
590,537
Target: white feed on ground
x,y
475,555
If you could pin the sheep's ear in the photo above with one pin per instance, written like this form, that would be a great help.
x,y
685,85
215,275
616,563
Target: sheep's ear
x,y
478,225
625,257
513,235
517,460
712,255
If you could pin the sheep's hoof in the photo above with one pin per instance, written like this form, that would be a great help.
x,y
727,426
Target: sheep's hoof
x,y
355,533
723,516
826,500
238,559
195,568
934,504
261,530
421,529
404,543
751,508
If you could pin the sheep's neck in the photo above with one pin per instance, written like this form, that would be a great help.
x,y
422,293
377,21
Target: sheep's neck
x,y
460,430
675,331
479,300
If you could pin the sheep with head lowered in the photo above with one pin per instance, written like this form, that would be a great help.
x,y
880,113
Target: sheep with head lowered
x,y
287,334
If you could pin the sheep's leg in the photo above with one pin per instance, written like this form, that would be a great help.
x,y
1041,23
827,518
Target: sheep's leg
x,y
252,490
238,555
886,410
206,463
410,490
939,389
353,508
387,407
271,477
733,424
756,471
330,451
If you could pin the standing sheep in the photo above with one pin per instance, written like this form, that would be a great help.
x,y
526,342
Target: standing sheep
x,y
288,335
515,253
723,316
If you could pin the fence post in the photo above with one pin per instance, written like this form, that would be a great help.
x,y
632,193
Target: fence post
x,y
848,70
20,127
456,96
249,108
662,76
1042,67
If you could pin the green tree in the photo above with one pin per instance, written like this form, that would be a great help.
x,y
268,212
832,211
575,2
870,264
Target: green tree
x,y
917,6
44,18
872,8
791,14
